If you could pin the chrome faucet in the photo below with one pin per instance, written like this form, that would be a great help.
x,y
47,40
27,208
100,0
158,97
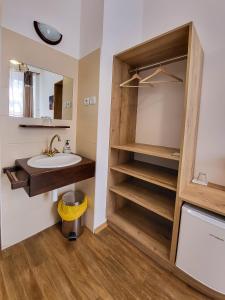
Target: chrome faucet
x,y
49,151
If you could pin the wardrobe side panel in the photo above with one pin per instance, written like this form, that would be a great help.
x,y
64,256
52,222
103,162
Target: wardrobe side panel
x,y
124,106
188,147
122,124
116,101
192,108
123,113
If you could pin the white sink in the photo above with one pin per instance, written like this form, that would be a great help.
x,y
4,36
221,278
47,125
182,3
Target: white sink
x,y
59,160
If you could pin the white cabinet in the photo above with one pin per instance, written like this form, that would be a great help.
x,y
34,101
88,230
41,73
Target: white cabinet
x,y
201,247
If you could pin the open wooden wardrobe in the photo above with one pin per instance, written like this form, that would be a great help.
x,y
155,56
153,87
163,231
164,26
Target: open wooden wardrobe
x,y
156,89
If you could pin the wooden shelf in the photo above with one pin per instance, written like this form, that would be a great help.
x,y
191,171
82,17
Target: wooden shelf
x,y
158,151
159,203
43,126
142,227
151,173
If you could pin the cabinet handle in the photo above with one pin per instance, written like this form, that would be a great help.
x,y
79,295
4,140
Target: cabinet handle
x,y
15,183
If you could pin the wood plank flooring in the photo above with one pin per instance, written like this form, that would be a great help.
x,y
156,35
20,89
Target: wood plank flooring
x,y
103,266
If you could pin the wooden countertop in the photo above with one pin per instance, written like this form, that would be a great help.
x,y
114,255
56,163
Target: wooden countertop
x,y
211,197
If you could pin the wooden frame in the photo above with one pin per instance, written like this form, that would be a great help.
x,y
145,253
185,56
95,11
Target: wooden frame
x,y
192,106
58,100
133,204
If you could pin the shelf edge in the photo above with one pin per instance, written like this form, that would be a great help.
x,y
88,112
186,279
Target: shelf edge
x,y
167,217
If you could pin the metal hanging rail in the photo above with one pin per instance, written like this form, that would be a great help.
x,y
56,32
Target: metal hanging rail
x,y
158,64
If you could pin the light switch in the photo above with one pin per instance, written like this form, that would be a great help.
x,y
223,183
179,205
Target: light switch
x,y
68,104
92,100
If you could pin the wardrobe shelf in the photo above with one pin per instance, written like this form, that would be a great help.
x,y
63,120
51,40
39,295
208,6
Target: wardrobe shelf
x,y
158,151
159,203
157,175
138,225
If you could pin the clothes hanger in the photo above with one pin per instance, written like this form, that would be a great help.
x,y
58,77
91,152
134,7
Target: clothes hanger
x,y
134,77
158,71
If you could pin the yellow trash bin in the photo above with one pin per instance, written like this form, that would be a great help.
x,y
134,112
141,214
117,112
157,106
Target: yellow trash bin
x,y
71,208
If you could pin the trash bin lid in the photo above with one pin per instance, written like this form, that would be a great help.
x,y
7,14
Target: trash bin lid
x,y
72,198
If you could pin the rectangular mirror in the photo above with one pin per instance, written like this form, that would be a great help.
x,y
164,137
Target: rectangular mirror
x,y
37,93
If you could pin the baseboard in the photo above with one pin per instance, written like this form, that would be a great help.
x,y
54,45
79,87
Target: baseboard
x,y
100,228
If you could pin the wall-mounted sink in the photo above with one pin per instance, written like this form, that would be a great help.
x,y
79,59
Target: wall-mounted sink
x,y
59,160
41,174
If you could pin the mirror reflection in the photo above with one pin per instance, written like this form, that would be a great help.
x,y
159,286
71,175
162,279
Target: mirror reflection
x,y
37,93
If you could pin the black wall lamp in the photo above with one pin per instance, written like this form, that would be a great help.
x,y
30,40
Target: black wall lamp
x,y
47,33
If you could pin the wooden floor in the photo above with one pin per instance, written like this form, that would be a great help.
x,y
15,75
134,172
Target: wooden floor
x,y
103,266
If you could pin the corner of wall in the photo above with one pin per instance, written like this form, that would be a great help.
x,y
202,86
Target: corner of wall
x,y
91,26
87,120
118,34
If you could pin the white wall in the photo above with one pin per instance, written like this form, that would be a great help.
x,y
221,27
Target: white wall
x,y
22,216
160,114
208,17
63,15
18,16
127,23
80,22
160,110
121,29
91,26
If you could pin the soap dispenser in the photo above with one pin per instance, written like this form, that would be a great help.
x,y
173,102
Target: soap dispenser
x,y
66,148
